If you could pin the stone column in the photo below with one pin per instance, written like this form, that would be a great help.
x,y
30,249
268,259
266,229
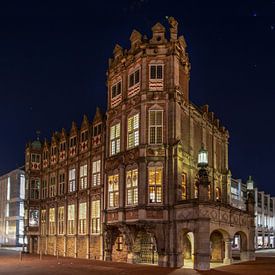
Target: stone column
x,y
228,252
202,244
163,260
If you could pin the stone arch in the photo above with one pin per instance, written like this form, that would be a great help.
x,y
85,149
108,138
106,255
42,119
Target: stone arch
x,y
145,249
240,245
219,245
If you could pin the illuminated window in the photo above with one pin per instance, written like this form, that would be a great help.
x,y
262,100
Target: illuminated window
x,y
34,189
133,131
44,189
119,243
209,191
115,139
183,187
113,192
7,209
22,186
61,220
43,222
132,187
155,184
156,72
95,216
218,194
52,221
61,184
116,89
33,217
96,173
72,180
71,219
196,191
82,218
83,176
52,187
133,79
155,126
21,209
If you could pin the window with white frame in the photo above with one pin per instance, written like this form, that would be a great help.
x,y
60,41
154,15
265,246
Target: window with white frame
x,y
82,218
61,220
133,79
71,219
95,216
155,184
156,72
115,139
96,173
72,180
155,126
132,187
83,176
133,131
116,89
52,221
61,184
113,190
22,186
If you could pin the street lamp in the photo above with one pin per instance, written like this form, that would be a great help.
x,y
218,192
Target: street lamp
x,y
203,157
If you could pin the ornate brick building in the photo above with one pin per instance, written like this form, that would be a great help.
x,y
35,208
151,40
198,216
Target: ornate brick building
x,y
126,186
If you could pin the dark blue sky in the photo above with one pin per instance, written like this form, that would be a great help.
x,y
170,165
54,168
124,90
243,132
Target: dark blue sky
x,y
54,56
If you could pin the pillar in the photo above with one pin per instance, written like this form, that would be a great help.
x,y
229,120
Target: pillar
x,y
228,252
163,259
202,244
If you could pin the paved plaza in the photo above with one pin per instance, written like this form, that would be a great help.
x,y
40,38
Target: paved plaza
x,y
10,263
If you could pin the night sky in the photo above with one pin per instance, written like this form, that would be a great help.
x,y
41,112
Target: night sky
x,y
54,56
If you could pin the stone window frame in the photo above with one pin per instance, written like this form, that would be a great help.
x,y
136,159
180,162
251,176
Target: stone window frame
x,y
183,185
96,175
155,125
43,220
114,192
155,186
52,221
72,180
61,220
131,188
116,139
134,130
82,218
61,182
70,221
35,188
156,64
95,216
83,176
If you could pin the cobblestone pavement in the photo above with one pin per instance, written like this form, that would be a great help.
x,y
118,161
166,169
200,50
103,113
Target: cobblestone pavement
x,y
31,264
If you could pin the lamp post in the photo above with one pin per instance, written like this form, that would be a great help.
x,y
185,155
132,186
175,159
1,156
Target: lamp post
x,y
203,180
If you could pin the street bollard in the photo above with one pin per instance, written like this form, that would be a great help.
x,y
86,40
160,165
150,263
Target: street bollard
x,y
57,255
40,256
20,256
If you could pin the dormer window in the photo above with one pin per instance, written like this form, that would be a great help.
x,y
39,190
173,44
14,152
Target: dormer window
x,y
156,72
97,130
54,150
133,83
62,146
156,77
116,89
84,136
73,141
116,96
133,79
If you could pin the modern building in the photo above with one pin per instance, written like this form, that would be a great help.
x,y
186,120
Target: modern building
x,y
264,217
12,195
136,185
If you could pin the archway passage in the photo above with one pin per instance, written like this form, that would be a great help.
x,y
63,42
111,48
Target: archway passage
x,y
145,249
239,246
217,246
188,249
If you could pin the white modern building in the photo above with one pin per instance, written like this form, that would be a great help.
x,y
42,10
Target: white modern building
x,y
12,195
